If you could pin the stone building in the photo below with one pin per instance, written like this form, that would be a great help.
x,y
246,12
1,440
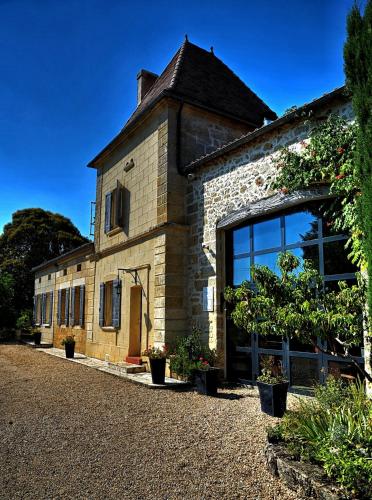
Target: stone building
x,y
177,189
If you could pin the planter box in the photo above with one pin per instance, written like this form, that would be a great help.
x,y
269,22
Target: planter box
x,y
206,381
273,398
70,350
158,370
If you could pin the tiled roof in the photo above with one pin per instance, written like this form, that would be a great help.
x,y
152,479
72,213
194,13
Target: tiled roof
x,y
198,77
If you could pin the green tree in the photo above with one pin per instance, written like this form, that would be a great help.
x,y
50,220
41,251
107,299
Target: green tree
x,y
7,311
33,237
296,305
358,70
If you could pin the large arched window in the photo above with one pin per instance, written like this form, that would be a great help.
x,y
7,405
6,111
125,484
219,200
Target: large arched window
x,y
306,232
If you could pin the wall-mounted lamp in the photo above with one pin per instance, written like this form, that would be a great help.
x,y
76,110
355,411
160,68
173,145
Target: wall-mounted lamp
x,y
191,177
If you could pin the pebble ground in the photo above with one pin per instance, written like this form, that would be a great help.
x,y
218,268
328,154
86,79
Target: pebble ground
x,y
68,431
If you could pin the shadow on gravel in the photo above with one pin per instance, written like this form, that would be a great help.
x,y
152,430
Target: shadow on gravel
x,y
228,395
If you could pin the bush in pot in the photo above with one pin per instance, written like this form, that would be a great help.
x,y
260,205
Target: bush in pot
x,y
69,343
272,387
194,360
157,359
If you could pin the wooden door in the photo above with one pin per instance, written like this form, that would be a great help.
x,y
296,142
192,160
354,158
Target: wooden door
x,y
135,321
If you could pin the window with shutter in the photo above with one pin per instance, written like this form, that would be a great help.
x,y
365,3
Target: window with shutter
x,y
51,308
101,304
67,308
81,304
116,303
108,303
72,308
114,208
59,308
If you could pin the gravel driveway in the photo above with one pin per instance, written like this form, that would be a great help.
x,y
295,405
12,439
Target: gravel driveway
x,y
68,431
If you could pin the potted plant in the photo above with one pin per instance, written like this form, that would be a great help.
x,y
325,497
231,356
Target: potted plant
x,y
69,343
36,336
272,387
157,359
205,377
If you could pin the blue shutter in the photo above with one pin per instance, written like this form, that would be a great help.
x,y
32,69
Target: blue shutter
x,y
82,302
101,304
72,309
51,309
116,303
59,307
108,213
67,306
43,307
35,304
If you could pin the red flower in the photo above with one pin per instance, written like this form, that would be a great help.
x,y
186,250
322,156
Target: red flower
x,y
205,363
340,150
201,358
340,176
284,190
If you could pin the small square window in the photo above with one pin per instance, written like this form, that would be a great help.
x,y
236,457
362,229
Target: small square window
x,y
49,277
39,280
78,267
65,272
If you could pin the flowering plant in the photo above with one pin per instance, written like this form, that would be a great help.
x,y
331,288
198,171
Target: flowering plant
x,y
69,339
156,352
202,364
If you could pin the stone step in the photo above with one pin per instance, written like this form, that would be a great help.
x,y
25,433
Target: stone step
x,y
42,345
125,368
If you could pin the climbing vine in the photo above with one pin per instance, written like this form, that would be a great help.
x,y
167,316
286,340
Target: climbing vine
x,y
328,158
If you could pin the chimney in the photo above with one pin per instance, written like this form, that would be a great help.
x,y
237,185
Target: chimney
x,y
145,80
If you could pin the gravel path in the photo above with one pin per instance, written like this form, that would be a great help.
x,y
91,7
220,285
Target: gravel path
x,y
68,432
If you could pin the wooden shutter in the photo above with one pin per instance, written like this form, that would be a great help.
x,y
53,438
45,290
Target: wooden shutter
x,y
35,307
116,303
67,306
72,308
43,308
108,213
82,302
59,307
119,205
51,308
101,304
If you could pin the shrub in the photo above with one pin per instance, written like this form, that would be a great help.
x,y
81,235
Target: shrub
x,y
24,321
333,430
190,353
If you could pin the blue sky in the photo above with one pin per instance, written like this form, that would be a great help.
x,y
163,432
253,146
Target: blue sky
x,y
68,76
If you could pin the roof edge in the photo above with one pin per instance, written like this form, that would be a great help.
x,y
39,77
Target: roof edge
x,y
70,253
246,138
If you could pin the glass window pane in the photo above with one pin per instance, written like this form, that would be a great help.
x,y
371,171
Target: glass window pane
x,y
241,270
304,372
310,253
270,342
241,241
237,337
276,363
266,234
335,259
344,370
300,226
267,259
240,366
296,345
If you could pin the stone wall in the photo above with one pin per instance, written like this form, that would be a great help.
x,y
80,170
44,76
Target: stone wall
x,y
220,187
203,132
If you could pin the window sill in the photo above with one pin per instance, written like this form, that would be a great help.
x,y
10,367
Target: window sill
x,y
108,328
46,325
115,230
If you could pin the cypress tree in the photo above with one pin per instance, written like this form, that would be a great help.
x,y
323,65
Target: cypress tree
x,y
358,71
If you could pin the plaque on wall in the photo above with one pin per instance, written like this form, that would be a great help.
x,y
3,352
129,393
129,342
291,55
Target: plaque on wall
x,y
208,298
